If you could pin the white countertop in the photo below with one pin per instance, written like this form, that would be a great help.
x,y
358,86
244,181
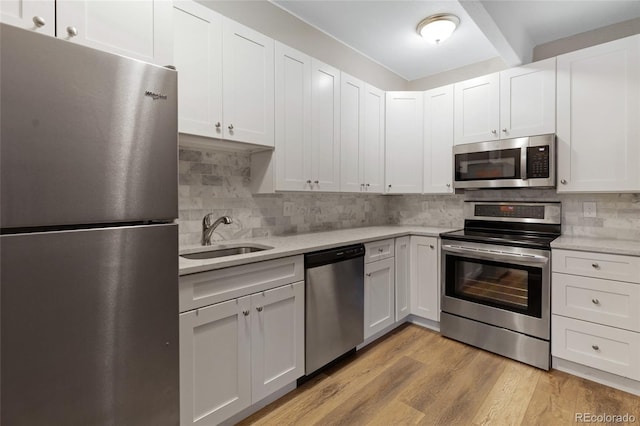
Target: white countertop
x,y
599,245
291,245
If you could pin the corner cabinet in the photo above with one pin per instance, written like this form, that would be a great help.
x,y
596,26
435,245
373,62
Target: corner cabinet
x,y
361,136
225,77
513,103
425,277
438,141
404,146
598,118
238,351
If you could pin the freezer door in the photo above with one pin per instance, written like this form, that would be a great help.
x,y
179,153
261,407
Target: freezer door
x,y
89,327
87,136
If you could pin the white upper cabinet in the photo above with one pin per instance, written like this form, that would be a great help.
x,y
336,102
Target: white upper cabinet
x,y
33,15
197,35
403,142
599,118
293,119
477,112
513,103
325,126
528,100
248,84
438,140
361,136
137,29
225,77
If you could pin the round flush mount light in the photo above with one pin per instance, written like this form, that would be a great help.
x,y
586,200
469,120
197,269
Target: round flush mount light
x,y
437,28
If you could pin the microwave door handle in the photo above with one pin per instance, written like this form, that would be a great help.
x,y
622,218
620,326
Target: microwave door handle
x,y
523,163
507,257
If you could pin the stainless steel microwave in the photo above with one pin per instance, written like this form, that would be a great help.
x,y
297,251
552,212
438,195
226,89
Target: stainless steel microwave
x,y
508,163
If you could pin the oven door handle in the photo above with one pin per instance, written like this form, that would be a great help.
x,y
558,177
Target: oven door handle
x,y
495,255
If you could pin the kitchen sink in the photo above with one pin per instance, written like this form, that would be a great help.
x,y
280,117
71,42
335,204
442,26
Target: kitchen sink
x,y
225,250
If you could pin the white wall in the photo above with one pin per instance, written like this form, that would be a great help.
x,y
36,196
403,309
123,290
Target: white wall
x,y
459,74
274,22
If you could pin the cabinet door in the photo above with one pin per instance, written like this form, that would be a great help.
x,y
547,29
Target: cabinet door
x,y
215,362
477,109
277,338
325,126
425,283
438,141
528,100
292,119
373,156
138,29
248,84
352,114
598,110
197,39
404,145
403,306
379,289
29,14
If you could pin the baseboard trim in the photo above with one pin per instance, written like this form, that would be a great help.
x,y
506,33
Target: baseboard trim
x,y
598,376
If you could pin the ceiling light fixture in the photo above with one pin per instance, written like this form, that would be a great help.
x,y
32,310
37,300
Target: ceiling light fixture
x,y
437,28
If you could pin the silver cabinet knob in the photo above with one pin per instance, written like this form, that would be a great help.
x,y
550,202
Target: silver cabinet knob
x,y
309,181
39,21
448,185
72,31
362,185
494,132
431,246
595,301
369,274
259,308
218,125
595,266
380,250
595,347
504,130
316,182
563,181
367,185
230,127
245,312
389,185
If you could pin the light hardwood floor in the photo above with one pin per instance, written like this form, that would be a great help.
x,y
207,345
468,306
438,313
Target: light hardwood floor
x,y
415,376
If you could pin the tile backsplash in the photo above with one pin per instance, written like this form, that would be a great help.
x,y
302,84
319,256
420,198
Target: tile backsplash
x,y
218,182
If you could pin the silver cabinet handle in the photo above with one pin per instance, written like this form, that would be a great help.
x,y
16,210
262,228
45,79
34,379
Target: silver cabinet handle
x,y
367,185
218,125
595,266
595,347
380,250
72,31
362,185
595,301
259,308
39,21
369,274
245,312
563,181
494,131
316,182
431,246
448,185
309,181
504,130
230,127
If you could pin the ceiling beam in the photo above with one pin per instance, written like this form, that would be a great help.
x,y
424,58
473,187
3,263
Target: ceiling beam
x,y
510,41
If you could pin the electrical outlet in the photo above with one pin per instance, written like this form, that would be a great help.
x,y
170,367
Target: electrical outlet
x,y
589,209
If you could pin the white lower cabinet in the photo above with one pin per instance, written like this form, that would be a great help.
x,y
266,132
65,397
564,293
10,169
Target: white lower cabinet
x,y
403,272
234,353
425,282
379,289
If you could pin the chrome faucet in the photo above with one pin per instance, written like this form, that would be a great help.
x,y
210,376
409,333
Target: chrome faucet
x,y
208,227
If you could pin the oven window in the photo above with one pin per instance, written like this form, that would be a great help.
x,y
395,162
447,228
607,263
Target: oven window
x,y
515,288
488,165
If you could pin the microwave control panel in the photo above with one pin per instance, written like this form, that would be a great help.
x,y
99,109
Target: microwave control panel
x,y
538,162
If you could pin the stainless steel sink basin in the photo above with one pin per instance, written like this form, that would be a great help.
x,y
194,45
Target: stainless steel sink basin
x,y
225,250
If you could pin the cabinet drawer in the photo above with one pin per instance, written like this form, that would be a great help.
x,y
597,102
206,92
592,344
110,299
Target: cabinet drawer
x,y
378,250
605,348
613,303
597,265
206,288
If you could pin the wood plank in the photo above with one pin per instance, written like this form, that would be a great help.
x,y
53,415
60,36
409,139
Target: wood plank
x,y
554,399
396,413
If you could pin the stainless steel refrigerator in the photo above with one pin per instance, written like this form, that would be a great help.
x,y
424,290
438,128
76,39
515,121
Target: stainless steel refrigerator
x,y
88,247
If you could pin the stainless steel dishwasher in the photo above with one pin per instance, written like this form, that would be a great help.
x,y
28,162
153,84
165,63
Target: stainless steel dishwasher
x,y
334,304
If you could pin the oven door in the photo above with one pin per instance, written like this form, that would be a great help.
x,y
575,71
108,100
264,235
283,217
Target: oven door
x,y
499,285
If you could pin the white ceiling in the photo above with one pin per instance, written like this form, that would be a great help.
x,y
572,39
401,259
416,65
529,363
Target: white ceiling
x,y
384,30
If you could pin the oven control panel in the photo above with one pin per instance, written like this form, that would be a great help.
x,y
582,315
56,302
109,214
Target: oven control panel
x,y
509,210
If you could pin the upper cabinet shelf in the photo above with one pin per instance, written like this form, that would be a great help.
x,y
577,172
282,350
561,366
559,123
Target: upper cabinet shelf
x,y
514,103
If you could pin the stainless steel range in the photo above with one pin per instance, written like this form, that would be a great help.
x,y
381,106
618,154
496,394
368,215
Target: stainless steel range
x,y
496,275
